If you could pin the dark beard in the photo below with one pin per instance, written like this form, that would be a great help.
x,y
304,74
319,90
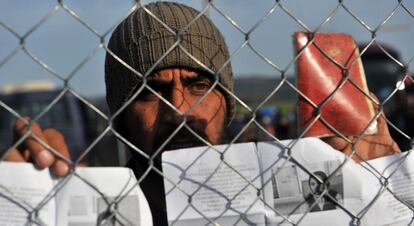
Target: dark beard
x,y
182,139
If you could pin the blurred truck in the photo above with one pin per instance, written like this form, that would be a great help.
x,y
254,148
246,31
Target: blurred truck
x,y
381,69
79,124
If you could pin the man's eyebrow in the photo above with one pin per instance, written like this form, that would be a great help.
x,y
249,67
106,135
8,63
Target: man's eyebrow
x,y
199,77
154,82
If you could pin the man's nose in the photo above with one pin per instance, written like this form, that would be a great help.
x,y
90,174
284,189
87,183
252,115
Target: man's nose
x,y
178,100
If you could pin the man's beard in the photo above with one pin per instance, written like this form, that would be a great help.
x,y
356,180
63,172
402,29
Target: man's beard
x,y
181,139
184,138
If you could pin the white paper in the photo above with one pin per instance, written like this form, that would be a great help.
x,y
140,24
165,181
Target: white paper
x,y
21,184
219,187
76,200
82,202
356,187
291,195
286,185
400,171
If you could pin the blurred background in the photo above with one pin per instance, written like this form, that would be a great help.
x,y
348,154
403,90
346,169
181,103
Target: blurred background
x,y
51,52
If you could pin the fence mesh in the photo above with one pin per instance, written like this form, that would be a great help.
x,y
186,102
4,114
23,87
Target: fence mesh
x,y
250,123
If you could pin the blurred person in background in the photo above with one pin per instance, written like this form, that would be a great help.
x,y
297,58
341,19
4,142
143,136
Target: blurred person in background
x,y
402,116
285,126
266,118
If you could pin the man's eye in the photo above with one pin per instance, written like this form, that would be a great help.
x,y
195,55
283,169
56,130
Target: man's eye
x,y
200,88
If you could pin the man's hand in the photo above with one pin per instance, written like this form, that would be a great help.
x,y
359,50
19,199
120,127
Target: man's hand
x,y
33,151
369,146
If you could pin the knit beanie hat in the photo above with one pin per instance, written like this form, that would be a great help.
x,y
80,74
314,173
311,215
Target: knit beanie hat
x,y
141,41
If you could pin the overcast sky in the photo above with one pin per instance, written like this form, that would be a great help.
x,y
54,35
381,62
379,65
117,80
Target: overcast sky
x,y
63,43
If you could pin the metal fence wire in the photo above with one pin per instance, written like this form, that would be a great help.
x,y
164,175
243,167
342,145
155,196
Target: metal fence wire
x,y
253,120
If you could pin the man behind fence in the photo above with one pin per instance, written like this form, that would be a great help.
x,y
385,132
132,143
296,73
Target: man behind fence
x,y
147,44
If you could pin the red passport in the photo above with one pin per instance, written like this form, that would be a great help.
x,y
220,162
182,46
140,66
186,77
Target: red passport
x,y
332,80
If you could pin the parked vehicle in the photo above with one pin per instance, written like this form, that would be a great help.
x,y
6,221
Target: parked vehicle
x,y
67,115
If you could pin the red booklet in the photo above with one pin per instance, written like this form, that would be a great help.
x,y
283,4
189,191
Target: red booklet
x,y
329,63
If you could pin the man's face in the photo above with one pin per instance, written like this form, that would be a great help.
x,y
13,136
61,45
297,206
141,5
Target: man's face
x,y
149,121
314,186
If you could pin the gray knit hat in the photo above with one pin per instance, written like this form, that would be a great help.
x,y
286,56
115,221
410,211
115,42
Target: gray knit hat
x,y
140,41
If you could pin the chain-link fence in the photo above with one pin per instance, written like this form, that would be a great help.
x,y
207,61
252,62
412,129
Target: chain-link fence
x,y
259,38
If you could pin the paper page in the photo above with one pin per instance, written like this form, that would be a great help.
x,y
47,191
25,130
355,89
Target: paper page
x,y
399,169
80,204
28,186
288,188
290,192
219,188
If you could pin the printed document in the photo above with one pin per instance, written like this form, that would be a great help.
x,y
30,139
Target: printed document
x,y
91,196
303,182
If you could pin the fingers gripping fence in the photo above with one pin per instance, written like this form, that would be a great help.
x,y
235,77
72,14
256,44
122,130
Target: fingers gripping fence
x,y
278,7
